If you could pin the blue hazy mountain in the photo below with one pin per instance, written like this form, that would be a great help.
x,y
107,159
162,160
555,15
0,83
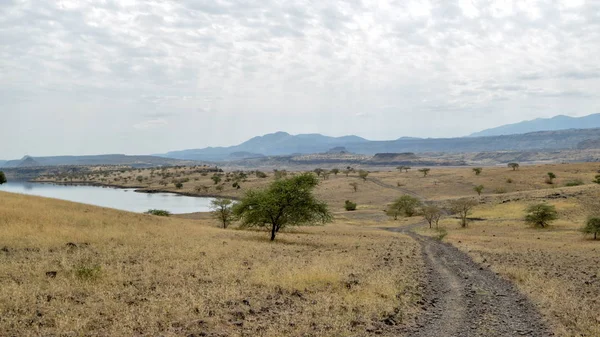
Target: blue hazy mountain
x,y
559,122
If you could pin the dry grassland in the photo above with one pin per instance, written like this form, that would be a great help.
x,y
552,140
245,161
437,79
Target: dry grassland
x,y
557,267
69,269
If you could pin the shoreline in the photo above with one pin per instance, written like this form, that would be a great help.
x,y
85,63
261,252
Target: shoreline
x,y
138,189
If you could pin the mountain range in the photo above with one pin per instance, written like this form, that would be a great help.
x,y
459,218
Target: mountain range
x,y
106,159
559,122
281,144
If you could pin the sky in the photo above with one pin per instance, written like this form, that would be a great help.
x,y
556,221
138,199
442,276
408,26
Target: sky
x,y
142,77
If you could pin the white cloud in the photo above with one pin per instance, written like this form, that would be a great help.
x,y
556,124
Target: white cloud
x,y
223,71
151,124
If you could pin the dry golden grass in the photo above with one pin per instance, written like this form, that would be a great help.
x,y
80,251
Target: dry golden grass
x,y
131,274
557,267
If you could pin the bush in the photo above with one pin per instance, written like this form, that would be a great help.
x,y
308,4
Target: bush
x,y
540,215
441,234
260,174
178,185
597,179
158,212
349,205
575,182
500,190
405,205
509,181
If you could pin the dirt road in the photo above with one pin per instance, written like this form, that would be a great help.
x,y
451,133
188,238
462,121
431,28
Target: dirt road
x,y
464,299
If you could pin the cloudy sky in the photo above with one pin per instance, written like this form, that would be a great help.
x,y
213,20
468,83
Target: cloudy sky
x,y
138,77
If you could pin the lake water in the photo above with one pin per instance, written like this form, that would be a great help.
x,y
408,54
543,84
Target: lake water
x,y
123,199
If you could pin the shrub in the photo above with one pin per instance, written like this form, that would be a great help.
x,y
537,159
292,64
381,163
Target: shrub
x,y
260,174
441,234
425,171
477,170
540,215
405,205
550,178
2,178
478,189
597,179
349,205
88,273
575,182
354,186
509,181
363,174
514,166
592,226
178,185
158,212
500,190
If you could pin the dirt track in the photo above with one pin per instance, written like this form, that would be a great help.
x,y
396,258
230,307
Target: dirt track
x,y
465,299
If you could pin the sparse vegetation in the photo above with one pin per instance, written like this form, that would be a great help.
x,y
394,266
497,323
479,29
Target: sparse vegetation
x,y
574,182
540,215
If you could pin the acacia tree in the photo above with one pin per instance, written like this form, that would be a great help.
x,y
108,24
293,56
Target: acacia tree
x,y
540,215
592,226
335,171
514,166
477,170
286,202
2,178
478,189
462,207
222,210
425,171
432,214
551,177
354,186
363,174
405,205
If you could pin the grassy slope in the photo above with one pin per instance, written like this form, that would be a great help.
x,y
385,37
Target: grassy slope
x,y
134,274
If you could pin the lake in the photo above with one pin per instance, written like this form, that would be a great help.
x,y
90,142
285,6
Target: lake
x,y
123,199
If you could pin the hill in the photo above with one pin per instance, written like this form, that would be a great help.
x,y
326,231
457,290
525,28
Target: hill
x,y
108,159
282,144
273,144
560,122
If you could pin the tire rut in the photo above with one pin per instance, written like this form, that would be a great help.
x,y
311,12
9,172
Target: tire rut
x,y
462,298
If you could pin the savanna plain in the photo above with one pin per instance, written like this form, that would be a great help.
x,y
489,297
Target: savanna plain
x,y
70,269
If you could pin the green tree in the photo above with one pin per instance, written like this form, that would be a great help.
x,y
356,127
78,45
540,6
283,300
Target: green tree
x,y
335,171
286,202
425,171
514,166
318,171
540,215
432,215
405,205
550,178
363,174
221,209
592,226
139,178
2,178
597,179
406,168
478,189
178,185
463,208
477,170
354,186
260,174
325,175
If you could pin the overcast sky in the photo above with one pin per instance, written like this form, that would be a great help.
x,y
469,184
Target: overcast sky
x,y
140,77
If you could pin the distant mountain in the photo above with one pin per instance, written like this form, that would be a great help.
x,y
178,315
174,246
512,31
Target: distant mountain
x,y
2,162
543,124
273,144
283,144
107,159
